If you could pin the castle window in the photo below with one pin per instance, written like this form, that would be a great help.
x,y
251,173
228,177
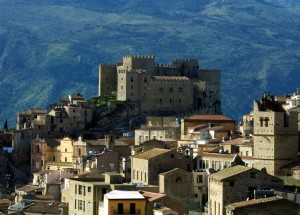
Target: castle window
x,y
131,79
179,100
170,89
161,90
180,90
145,79
121,87
160,100
170,100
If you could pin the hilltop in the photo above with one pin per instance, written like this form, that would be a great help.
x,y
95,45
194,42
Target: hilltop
x,y
50,49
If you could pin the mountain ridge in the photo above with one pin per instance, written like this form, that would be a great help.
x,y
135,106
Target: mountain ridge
x,y
51,49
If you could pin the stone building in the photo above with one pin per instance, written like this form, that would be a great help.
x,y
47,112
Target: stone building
x,y
263,206
177,183
146,166
158,87
275,135
236,184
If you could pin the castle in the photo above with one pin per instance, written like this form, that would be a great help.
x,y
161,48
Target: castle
x,y
178,87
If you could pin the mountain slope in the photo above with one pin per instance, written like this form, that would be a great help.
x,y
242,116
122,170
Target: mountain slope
x,y
49,49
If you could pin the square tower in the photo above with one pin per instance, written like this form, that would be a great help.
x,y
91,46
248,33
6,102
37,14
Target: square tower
x,y
275,135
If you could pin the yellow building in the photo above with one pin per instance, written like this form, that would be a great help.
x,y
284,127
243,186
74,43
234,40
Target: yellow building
x,y
124,202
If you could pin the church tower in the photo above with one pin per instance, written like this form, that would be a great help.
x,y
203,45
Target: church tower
x,y
275,135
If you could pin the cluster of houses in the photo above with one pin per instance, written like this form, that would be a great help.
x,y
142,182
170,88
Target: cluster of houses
x,y
200,163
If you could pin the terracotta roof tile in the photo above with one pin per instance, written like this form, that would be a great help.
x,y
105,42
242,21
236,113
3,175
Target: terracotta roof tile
x,y
253,202
209,118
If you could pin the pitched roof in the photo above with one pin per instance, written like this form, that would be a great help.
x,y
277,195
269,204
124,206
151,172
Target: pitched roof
x,y
229,172
151,153
28,188
251,202
44,207
290,181
150,197
209,118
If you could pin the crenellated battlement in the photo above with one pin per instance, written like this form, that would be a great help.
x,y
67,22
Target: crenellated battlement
x,y
107,65
167,66
139,56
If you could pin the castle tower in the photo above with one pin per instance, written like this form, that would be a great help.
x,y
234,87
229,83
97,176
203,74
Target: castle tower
x,y
107,79
275,135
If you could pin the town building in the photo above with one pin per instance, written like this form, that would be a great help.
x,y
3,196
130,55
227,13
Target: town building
x,y
124,202
235,184
146,166
263,206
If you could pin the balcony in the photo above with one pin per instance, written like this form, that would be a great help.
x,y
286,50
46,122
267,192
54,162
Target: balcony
x,y
127,212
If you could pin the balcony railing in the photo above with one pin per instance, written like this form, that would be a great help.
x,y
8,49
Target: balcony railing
x,y
127,212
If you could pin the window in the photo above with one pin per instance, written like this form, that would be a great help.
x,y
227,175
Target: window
x,y
61,120
80,204
42,162
170,89
160,101
196,195
66,149
75,188
199,178
231,183
252,174
121,87
180,89
133,174
137,175
53,159
120,208
145,79
89,189
178,180
33,162
132,208
179,100
131,87
66,159
75,203
131,79
161,90
80,190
